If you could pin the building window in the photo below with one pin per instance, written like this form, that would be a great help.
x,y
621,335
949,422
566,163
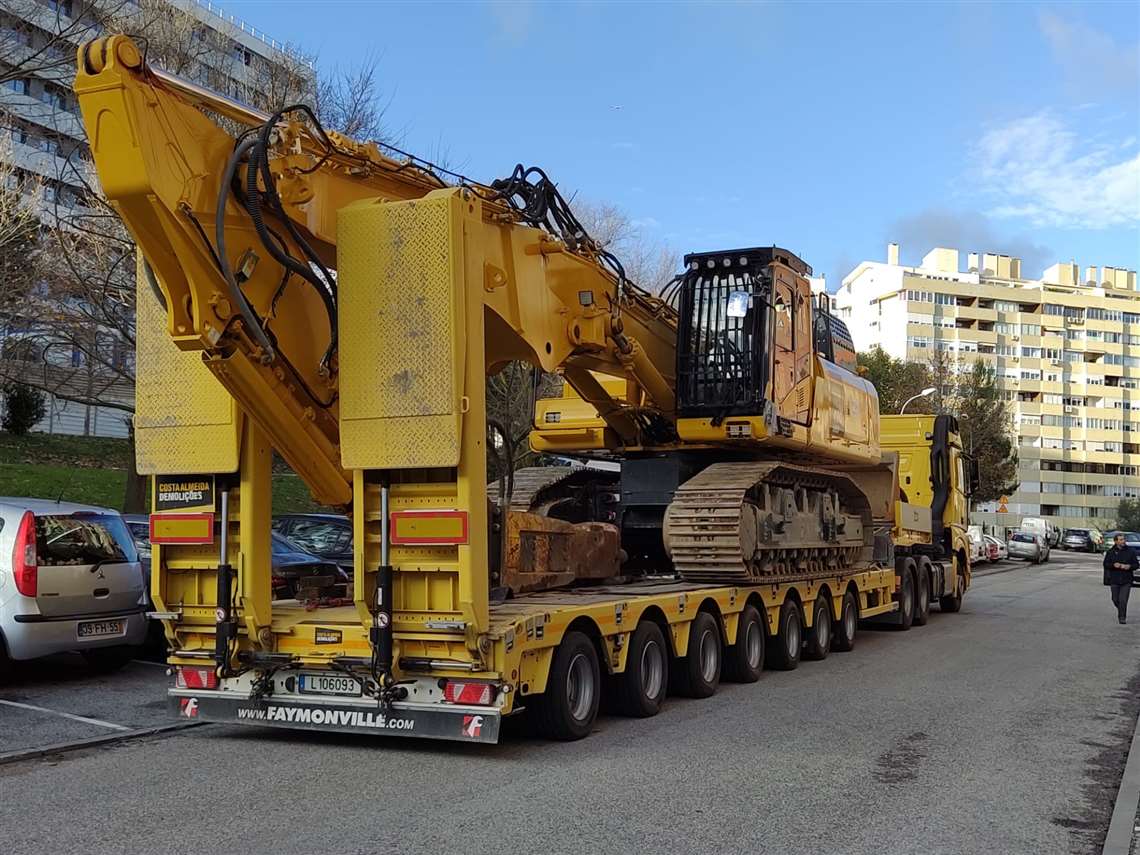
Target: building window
x,y
63,7
21,86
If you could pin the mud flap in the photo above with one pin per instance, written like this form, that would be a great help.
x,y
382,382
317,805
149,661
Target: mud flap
x,y
462,724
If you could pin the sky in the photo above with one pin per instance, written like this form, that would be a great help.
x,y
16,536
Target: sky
x,y
828,129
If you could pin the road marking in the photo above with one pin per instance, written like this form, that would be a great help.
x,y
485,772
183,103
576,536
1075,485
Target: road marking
x,y
81,718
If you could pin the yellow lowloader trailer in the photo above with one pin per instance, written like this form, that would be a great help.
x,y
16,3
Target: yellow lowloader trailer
x,y
309,295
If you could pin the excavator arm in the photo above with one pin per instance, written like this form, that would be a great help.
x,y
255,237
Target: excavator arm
x,y
240,237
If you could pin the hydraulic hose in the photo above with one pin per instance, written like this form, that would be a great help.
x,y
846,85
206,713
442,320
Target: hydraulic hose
x,y
247,313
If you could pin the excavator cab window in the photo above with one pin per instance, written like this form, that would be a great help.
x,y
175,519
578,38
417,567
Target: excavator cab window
x,y
733,318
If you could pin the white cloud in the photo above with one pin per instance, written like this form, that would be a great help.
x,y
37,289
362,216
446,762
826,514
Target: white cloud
x,y
1042,171
646,223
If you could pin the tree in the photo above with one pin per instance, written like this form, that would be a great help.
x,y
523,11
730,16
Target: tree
x,y
1128,515
21,211
896,381
23,408
647,262
77,314
984,420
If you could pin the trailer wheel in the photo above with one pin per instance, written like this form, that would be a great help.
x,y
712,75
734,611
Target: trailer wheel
x,y
906,573
953,602
922,598
784,655
819,636
697,673
641,688
744,661
844,631
569,706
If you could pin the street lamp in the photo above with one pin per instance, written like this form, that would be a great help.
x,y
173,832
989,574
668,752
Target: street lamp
x,y
923,394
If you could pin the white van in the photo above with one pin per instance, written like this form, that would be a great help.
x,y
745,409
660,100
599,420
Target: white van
x,y
1037,525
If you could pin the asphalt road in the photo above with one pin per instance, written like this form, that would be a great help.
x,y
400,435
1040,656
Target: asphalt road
x,y
999,729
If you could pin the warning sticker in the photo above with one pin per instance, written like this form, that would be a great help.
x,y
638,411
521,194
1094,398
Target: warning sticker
x,y
178,492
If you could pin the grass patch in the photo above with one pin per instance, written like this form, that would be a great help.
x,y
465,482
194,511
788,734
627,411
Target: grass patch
x,y
93,471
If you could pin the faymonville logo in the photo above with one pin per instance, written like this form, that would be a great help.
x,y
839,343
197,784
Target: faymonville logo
x,y
332,718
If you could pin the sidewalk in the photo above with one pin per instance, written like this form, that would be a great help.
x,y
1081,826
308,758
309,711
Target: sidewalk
x,y
1123,837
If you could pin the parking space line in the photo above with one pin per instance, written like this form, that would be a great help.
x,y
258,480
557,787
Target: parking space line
x,y
81,718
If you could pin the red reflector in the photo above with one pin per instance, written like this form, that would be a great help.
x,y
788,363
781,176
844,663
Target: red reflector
x,y
468,693
197,678
25,563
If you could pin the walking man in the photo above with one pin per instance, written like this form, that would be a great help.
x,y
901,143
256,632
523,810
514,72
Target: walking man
x,y
1119,564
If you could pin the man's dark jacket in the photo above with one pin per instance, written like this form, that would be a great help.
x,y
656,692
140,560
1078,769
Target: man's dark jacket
x,y
1123,555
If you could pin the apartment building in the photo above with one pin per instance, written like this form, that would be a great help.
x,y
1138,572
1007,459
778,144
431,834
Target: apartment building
x,y
39,111
1066,351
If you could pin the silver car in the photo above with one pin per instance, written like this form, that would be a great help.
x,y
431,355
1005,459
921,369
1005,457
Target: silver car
x,y
1032,547
69,580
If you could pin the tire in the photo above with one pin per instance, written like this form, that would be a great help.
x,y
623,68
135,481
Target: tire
x,y
744,661
953,602
819,637
785,654
922,600
641,688
697,673
7,667
845,629
906,594
568,708
107,660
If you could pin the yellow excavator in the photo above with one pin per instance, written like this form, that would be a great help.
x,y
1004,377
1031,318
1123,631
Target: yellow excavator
x,y
342,305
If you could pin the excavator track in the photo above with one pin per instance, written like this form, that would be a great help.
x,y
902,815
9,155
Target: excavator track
x,y
748,523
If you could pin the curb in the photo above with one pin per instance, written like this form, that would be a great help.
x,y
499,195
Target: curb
x,y
93,742
1118,840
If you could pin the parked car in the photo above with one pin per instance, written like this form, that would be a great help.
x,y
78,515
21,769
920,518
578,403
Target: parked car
x,y
998,550
70,579
291,564
979,552
1029,545
326,535
1083,539
1041,526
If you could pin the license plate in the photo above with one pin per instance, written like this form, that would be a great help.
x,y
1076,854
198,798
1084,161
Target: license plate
x,y
101,628
329,684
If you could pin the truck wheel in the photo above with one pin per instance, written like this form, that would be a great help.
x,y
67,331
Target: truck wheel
x,y
641,688
784,655
697,673
744,661
844,638
569,706
818,643
906,594
953,602
922,598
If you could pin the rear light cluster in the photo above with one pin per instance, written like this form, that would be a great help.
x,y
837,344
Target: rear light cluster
x,y
195,678
25,565
467,692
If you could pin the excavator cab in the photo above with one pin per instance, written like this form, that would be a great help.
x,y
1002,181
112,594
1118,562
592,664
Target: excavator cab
x,y
745,337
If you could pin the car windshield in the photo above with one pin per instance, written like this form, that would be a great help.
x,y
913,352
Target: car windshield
x,y
1076,532
82,538
1024,538
282,545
